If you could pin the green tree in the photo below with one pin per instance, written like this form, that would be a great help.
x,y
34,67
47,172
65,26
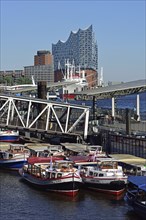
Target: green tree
x,y
8,80
23,80
1,79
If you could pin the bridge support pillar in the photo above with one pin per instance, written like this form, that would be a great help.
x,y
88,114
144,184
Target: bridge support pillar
x,y
138,107
94,107
113,108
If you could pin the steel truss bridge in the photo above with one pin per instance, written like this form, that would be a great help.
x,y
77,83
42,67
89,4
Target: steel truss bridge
x,y
43,116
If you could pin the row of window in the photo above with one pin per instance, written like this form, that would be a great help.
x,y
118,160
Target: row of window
x,y
96,174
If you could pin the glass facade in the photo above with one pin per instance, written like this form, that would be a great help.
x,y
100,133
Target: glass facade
x,y
41,72
80,48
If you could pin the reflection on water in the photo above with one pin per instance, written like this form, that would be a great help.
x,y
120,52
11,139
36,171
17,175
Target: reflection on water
x,y
20,201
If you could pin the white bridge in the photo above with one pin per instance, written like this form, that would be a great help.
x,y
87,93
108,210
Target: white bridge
x,y
43,116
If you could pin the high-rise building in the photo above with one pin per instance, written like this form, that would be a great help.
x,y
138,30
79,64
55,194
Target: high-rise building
x,y
80,47
43,57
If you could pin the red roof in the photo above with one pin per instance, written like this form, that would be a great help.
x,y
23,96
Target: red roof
x,y
32,160
78,159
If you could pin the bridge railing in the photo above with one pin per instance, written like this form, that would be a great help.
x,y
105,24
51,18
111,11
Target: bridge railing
x,y
34,114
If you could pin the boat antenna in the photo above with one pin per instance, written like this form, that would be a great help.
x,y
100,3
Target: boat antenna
x,y
51,164
101,78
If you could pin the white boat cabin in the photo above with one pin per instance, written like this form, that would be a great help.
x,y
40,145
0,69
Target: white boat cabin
x,y
4,155
17,148
13,151
46,150
95,150
50,170
103,167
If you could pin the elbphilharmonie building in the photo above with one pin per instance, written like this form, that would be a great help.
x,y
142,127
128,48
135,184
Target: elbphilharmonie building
x,y
80,48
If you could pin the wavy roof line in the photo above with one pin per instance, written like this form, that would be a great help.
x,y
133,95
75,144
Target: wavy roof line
x,y
74,33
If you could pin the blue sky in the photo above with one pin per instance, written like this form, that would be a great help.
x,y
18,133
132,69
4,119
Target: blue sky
x,y
119,26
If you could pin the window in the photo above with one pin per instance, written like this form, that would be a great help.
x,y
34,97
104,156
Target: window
x,y
91,173
53,175
59,175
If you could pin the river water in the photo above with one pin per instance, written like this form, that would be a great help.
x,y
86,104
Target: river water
x,y
123,102
20,201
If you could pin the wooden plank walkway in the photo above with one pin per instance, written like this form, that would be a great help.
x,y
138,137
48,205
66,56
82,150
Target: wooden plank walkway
x,y
76,147
129,159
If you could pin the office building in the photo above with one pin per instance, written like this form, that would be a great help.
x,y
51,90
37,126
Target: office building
x,y
40,72
43,57
43,69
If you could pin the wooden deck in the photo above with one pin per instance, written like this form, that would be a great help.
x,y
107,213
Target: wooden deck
x,y
129,159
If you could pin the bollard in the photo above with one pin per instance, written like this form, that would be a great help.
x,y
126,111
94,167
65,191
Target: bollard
x,y
42,94
128,121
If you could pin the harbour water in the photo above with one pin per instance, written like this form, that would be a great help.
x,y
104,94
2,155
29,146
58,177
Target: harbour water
x,y
20,201
123,102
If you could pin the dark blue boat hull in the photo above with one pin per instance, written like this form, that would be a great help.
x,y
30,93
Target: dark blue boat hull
x,y
12,165
9,138
136,185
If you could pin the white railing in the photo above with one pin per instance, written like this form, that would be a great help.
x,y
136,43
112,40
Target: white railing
x,y
31,113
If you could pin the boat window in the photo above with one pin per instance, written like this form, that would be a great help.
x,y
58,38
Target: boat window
x,y
99,149
29,166
107,166
5,155
53,175
95,174
141,195
101,174
49,175
70,166
59,175
91,173
10,155
115,165
46,175
43,174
